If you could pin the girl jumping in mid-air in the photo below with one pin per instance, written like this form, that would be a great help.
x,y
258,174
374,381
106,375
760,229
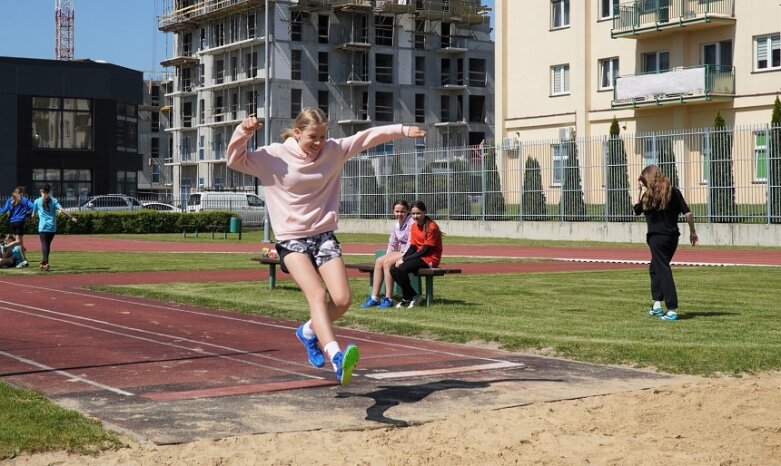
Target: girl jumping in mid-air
x,y
662,203
301,178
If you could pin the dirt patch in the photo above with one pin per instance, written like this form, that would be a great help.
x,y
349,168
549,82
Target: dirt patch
x,y
714,421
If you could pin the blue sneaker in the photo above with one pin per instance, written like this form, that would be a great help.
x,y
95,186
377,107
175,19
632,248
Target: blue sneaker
x,y
671,315
313,352
656,312
370,302
385,302
345,362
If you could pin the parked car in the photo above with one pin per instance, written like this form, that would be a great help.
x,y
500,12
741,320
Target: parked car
x,y
111,202
250,207
160,206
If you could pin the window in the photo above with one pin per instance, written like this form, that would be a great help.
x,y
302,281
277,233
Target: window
x,y
219,34
154,149
295,102
650,152
559,13
560,80
717,54
445,35
383,106
234,68
322,29
444,108
155,172
477,72
608,72
201,147
420,71
251,98
251,64
203,39
185,80
420,35
383,30
420,108
322,67
767,50
251,26
295,64
477,109
234,32
234,106
155,124
127,183
219,71
608,9
62,123
322,101
656,62
187,114
384,68
217,146
560,155
296,25
445,71
127,127
70,186
760,156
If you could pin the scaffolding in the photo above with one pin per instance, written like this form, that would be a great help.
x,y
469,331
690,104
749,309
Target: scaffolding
x,y
182,14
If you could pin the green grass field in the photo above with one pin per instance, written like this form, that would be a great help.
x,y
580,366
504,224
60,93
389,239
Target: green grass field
x,y
729,322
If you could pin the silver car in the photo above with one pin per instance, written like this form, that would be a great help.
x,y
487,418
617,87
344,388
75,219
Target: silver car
x,y
111,202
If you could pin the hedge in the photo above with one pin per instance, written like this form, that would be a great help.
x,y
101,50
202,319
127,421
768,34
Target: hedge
x,y
141,221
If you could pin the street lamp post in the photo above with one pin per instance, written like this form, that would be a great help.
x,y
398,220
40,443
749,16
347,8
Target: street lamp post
x,y
267,112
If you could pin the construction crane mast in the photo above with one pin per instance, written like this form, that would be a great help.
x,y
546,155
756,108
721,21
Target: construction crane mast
x,y
63,34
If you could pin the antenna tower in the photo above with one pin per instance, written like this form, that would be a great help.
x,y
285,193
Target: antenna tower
x,y
63,34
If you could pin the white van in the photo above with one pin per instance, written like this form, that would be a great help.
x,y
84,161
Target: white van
x,y
250,207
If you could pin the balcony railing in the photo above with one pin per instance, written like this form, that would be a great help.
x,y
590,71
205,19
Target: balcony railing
x,y
645,16
704,82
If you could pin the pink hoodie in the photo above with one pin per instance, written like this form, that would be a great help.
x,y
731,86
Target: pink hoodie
x,y
302,193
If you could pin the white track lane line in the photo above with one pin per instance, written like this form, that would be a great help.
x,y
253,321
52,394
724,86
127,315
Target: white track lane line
x,y
66,374
162,335
107,297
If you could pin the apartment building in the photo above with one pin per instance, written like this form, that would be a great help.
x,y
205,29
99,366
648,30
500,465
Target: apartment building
x,y
565,69
363,62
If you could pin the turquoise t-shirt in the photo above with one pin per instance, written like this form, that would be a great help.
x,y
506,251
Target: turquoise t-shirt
x,y
17,253
47,218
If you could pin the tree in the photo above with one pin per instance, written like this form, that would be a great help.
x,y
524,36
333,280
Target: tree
x,y
495,207
667,160
774,162
400,185
572,207
619,201
722,188
533,198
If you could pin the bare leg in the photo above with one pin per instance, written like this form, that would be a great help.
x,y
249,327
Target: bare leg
x,y
388,261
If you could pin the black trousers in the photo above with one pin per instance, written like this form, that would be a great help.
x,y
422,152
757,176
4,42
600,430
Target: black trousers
x,y
401,275
46,245
663,248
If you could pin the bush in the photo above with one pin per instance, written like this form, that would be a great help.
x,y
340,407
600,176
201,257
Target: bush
x,y
533,200
722,188
141,221
619,202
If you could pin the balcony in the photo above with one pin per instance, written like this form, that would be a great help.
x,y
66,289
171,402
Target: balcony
x,y
679,86
642,18
202,11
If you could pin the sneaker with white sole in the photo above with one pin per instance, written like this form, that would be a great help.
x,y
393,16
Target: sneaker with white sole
x,y
670,315
313,352
403,303
655,312
22,265
370,302
385,302
415,302
345,362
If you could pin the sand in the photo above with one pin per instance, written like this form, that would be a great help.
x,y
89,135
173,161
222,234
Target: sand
x,y
718,421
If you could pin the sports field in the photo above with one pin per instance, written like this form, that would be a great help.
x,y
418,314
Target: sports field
x,y
582,303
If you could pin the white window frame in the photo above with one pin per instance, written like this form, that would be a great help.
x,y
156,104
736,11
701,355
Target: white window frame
x,y
559,158
559,12
608,68
760,156
771,43
565,79
611,6
717,55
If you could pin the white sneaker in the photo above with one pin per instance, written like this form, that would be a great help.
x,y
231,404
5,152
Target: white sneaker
x,y
415,302
403,303
22,264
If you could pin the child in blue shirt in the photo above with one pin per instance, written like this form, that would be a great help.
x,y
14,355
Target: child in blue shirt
x,y
18,207
46,207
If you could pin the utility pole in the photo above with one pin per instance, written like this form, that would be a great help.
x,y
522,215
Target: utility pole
x,y
267,112
63,35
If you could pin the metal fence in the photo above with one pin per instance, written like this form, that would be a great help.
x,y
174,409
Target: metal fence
x,y
727,175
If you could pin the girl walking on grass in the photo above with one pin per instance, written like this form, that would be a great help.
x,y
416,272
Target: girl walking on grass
x,y
661,203
301,179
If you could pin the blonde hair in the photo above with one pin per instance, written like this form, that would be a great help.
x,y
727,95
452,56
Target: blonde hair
x,y
306,117
658,188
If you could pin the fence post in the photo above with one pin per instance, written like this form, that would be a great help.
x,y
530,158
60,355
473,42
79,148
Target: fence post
x,y
449,185
605,153
483,186
769,179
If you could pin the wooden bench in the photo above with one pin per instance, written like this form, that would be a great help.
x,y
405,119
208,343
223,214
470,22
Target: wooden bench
x,y
272,263
429,273
223,228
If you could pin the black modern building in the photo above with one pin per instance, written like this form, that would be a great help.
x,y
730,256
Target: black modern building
x,y
70,124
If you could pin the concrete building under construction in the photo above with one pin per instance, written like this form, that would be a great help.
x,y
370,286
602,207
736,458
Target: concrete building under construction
x,y
363,62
